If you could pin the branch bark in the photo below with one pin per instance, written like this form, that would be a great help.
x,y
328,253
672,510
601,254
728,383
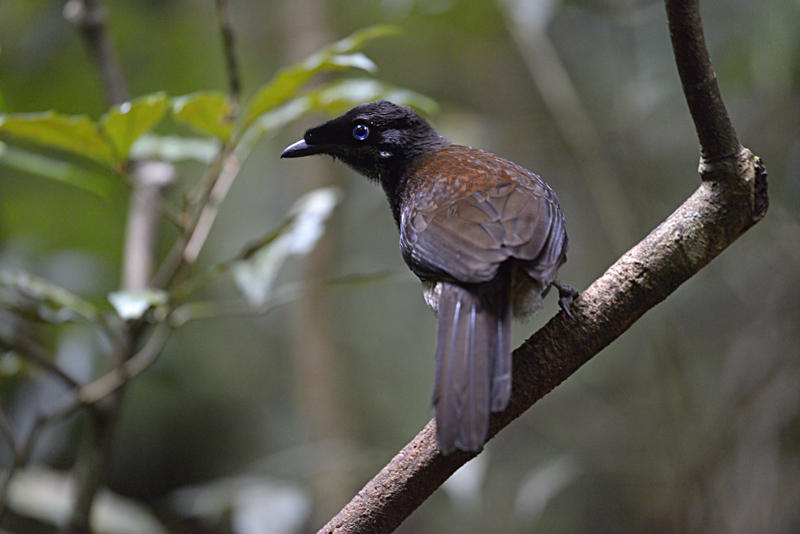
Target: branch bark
x,y
731,198
715,131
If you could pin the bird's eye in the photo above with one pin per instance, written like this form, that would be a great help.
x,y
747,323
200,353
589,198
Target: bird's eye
x,y
360,131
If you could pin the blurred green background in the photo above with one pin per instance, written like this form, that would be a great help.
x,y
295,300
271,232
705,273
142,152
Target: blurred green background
x,y
688,423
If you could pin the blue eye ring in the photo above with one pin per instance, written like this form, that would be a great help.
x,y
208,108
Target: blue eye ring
x,y
360,131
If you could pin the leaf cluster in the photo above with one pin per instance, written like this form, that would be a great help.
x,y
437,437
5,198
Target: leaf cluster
x,y
89,154
121,133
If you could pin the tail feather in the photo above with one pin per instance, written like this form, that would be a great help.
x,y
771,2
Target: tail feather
x,y
473,365
501,374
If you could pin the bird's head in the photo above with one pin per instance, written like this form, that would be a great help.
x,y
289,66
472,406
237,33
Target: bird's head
x,y
377,139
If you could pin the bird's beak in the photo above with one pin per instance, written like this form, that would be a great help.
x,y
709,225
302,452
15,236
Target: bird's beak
x,y
300,149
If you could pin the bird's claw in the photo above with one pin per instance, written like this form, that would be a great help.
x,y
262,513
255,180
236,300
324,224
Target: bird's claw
x,y
566,295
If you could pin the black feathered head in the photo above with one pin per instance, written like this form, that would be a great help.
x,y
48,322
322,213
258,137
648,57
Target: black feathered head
x,y
377,139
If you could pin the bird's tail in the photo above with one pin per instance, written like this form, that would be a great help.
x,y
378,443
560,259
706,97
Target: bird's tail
x,y
473,361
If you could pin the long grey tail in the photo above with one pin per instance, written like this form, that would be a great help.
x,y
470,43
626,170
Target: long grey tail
x,y
473,362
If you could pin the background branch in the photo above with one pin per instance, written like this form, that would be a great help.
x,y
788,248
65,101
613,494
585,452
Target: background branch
x,y
13,443
144,210
710,220
33,351
89,18
230,160
228,44
201,227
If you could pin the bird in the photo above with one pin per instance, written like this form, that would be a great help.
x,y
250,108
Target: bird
x,y
484,235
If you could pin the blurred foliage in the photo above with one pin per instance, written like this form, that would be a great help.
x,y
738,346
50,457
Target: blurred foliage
x,y
688,423
206,111
32,296
340,55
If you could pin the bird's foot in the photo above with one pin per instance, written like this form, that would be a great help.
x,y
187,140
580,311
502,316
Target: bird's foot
x,y
566,295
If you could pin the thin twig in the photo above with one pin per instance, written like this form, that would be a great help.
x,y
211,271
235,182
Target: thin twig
x,y
715,131
88,395
5,485
34,352
89,18
5,480
208,213
102,387
215,184
228,45
107,384
220,175
8,431
193,311
173,262
24,450
173,214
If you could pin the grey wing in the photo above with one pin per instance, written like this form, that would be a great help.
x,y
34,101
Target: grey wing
x,y
467,239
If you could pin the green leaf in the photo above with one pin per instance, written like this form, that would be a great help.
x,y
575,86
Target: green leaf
x,y
337,56
277,118
340,96
55,169
288,81
207,112
175,149
255,275
125,123
133,304
359,38
73,133
335,98
33,296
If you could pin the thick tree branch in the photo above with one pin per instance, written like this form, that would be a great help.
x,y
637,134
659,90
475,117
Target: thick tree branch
x,y
731,198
